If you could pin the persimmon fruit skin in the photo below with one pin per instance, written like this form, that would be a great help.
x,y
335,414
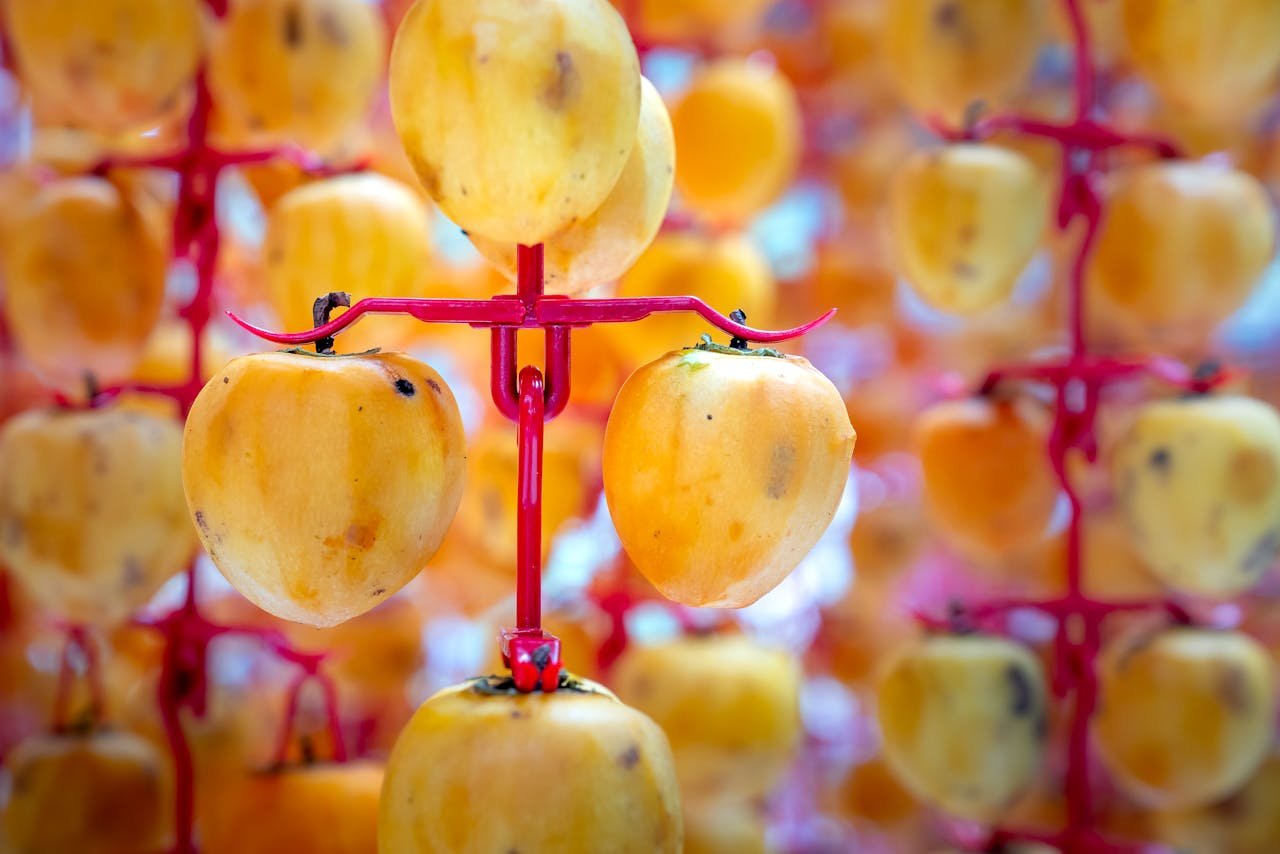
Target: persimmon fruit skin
x,y
320,485
722,470
606,771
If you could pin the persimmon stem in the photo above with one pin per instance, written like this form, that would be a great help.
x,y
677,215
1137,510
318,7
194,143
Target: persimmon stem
x,y
320,311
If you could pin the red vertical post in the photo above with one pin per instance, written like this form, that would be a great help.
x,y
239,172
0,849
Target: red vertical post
x,y
529,503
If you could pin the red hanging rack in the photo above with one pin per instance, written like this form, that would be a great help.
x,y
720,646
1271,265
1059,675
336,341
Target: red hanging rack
x,y
530,398
1077,380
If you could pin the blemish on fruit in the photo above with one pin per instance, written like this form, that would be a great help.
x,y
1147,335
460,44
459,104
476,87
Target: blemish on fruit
x,y
376,593
1251,476
361,536
947,16
434,386
200,521
332,29
1258,559
226,380
293,27
1233,689
708,416
630,757
1161,460
781,464
405,387
1020,688
560,88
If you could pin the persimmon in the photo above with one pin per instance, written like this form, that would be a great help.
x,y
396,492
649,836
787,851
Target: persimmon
x,y
449,785
727,272
95,793
1185,715
111,65
1198,483
987,508
886,539
726,827
320,808
722,467
964,721
487,515
946,54
84,282
602,246
518,118
1181,246
729,706
872,793
366,235
686,20
91,509
294,70
755,106
323,523
966,221
1244,822
1214,57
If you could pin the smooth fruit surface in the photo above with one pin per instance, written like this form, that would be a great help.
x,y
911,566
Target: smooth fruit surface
x,y
729,706
325,808
964,722
1181,245
1198,483
517,117
966,220
1185,717
1216,57
946,54
84,282
92,519
602,246
111,65
980,507
722,470
754,106
91,794
321,484
601,772
366,235
296,70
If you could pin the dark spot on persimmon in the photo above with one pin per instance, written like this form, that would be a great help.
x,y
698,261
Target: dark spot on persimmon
x,y
200,521
226,380
708,416
1161,460
1233,690
630,757
781,465
434,386
1251,476
1022,699
1260,556
293,26
560,89
405,387
332,29
375,594
131,572
947,16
